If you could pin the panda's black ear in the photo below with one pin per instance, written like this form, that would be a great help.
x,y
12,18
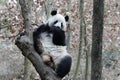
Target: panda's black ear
x,y
54,12
66,18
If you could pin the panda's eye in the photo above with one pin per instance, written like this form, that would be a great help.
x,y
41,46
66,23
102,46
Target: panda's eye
x,y
61,25
55,22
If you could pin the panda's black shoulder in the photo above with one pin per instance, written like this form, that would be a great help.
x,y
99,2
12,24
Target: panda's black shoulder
x,y
42,28
58,36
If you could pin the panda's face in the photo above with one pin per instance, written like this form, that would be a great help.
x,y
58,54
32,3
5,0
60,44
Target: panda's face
x,y
57,20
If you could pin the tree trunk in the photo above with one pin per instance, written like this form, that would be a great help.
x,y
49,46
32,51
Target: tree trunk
x,y
27,24
25,44
97,33
80,38
69,25
48,7
87,53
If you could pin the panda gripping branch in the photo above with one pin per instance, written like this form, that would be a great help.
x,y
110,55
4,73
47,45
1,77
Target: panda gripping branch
x,y
53,38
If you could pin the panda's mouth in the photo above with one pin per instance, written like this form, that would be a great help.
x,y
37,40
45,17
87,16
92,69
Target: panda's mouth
x,y
58,27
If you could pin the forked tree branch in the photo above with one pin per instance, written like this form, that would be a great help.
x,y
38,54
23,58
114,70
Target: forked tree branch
x,y
25,44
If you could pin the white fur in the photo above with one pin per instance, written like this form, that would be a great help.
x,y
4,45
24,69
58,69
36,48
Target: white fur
x,y
57,52
60,19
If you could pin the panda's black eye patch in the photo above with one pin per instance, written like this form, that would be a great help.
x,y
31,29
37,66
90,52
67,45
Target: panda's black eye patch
x,y
61,25
55,22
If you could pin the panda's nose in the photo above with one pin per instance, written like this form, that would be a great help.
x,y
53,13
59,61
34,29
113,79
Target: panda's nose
x,y
58,27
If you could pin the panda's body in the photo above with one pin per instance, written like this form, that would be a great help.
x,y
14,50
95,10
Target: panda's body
x,y
52,36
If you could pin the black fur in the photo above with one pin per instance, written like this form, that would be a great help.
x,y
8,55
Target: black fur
x,y
36,37
66,18
64,66
54,12
58,36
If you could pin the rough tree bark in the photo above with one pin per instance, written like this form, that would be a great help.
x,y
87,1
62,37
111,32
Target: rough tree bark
x,y
97,33
27,24
25,44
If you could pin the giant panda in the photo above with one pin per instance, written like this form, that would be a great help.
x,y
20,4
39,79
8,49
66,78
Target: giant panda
x,y
53,38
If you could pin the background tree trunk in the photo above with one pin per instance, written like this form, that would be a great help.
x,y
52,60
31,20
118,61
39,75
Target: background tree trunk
x,y
97,33
80,38
87,52
69,25
48,7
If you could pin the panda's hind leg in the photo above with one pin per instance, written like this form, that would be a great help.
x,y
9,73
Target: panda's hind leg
x,y
63,67
48,60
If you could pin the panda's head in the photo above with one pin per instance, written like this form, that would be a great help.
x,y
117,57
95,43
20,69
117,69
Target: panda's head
x,y
57,20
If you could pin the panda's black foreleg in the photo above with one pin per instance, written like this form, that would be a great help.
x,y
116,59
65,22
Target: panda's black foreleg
x,y
36,38
58,36
37,44
64,66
